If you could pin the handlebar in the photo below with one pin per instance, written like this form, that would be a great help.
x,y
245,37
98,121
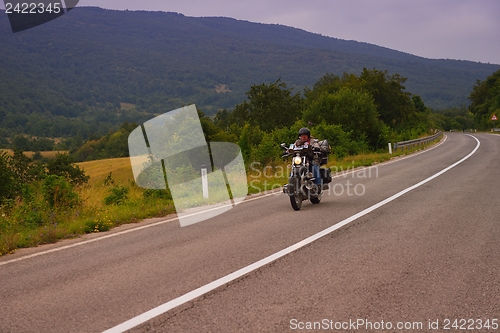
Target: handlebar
x,y
302,150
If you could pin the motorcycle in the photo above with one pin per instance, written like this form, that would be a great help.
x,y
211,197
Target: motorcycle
x,y
301,185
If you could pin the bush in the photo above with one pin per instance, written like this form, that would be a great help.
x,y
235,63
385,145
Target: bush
x,y
8,179
342,143
157,194
58,192
268,150
32,216
118,195
355,112
63,165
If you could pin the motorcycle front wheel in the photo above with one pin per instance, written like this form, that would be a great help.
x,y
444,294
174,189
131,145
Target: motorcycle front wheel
x,y
315,199
296,200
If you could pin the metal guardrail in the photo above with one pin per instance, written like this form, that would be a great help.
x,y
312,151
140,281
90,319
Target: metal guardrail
x,y
416,142
495,130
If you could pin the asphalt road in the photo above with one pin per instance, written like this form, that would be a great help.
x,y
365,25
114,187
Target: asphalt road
x,y
426,259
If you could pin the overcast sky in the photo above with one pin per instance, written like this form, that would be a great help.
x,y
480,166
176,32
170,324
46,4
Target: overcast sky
x,y
453,29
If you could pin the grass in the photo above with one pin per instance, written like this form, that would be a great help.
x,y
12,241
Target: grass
x,y
28,223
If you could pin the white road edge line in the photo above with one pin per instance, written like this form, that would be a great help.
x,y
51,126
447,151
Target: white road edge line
x,y
175,218
161,309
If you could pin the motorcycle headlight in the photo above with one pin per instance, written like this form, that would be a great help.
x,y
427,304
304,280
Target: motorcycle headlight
x,y
297,160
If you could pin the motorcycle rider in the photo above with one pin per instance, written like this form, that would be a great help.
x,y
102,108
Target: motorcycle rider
x,y
306,138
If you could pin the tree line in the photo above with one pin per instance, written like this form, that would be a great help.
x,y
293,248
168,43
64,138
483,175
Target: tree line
x,y
355,113
485,102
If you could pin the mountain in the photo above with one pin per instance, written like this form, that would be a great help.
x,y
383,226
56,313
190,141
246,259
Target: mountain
x,y
93,68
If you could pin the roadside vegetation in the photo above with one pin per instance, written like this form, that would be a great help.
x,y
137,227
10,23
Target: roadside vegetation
x,y
96,196
43,202
52,196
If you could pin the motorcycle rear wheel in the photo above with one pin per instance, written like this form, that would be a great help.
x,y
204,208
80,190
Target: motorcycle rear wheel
x,y
296,200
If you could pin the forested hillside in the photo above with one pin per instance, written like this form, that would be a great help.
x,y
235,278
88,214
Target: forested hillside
x,y
94,69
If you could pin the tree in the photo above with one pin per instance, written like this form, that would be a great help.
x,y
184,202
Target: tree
x,y
329,83
269,107
394,106
221,119
393,103
418,103
20,142
485,98
354,111
207,125
24,170
244,143
15,172
117,145
62,165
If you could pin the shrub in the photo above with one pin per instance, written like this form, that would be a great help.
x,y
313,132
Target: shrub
x,y
268,150
63,165
157,194
118,195
8,179
58,192
342,143
32,216
355,112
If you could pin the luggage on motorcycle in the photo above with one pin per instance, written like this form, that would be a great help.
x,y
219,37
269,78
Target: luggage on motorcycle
x,y
324,148
326,175
323,159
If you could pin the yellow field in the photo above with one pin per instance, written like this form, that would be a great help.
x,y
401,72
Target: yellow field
x,y
48,154
97,170
120,169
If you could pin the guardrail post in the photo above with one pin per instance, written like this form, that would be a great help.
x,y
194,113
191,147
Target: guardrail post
x,y
390,148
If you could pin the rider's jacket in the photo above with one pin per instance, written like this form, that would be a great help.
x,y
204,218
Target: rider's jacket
x,y
312,141
315,144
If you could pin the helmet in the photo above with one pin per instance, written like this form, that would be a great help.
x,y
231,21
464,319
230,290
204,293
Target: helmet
x,y
304,130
